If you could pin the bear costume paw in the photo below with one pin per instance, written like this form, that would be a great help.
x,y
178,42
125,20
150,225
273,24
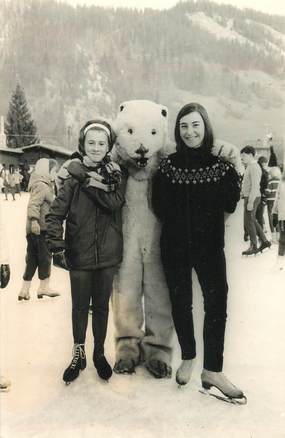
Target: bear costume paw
x,y
125,366
159,369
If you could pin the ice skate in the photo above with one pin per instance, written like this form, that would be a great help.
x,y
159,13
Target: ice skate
x,y
45,290
251,251
184,372
102,366
77,364
264,245
217,385
158,368
125,366
24,293
4,384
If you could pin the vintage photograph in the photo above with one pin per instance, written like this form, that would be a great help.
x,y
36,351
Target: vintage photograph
x,y
142,218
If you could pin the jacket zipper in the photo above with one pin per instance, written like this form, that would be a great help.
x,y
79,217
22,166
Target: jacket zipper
x,y
96,239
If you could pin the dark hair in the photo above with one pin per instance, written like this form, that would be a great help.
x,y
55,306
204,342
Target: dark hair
x,y
111,138
262,160
208,140
248,150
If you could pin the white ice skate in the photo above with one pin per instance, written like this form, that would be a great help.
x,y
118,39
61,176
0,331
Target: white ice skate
x,y
217,385
184,372
24,293
4,384
45,290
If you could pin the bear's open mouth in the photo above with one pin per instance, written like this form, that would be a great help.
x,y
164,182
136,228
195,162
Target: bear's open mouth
x,y
141,162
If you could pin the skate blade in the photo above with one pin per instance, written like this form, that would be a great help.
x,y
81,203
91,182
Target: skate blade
x,y
41,296
220,396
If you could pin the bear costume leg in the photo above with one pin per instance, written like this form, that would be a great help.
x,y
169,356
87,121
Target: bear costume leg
x,y
157,342
128,314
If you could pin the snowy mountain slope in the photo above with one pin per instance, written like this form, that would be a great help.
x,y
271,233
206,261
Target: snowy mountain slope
x,y
212,26
215,27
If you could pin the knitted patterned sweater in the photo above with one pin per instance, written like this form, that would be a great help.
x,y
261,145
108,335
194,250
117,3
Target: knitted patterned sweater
x,y
191,191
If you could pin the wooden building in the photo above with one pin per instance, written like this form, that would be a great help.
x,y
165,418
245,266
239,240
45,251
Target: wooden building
x,y
29,155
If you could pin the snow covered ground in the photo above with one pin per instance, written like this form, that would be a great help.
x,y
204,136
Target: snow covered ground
x,y
36,346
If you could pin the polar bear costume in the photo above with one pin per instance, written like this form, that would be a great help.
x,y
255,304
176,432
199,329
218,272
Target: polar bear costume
x,y
141,304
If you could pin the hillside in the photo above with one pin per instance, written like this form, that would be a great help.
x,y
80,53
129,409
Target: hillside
x,y
75,63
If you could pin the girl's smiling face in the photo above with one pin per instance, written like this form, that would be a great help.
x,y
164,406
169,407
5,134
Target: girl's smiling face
x,y
192,129
96,145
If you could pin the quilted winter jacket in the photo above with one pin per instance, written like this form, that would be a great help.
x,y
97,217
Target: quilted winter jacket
x,y
93,235
41,196
279,204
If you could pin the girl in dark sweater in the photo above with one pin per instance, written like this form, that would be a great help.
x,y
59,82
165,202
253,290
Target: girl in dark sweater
x,y
192,191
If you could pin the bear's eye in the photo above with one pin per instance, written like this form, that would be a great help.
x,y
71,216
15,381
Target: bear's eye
x,y
130,131
153,131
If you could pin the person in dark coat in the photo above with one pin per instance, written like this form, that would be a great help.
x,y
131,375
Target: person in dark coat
x,y
272,157
92,248
262,161
192,190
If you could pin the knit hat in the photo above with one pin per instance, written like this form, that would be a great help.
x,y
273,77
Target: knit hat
x,y
44,166
98,124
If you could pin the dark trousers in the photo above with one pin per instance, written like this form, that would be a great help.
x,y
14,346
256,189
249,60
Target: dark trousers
x,y
95,284
37,256
251,224
270,216
281,248
260,214
211,272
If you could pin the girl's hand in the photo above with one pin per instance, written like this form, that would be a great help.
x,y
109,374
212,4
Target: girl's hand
x,y
59,260
113,167
95,175
92,182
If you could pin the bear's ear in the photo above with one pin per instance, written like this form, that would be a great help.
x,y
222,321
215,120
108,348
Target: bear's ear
x,y
164,111
121,107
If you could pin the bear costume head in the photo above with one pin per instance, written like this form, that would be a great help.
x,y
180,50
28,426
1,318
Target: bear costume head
x,y
141,129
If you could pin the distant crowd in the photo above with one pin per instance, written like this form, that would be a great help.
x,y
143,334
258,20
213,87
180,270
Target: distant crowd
x,y
14,179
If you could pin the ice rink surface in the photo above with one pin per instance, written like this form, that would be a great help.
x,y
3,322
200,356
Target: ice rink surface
x,y
36,346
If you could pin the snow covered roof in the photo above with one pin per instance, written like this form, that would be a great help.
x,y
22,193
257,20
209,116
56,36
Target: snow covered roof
x,y
11,150
49,147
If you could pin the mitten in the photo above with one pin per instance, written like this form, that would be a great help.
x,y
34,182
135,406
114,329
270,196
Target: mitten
x,y
4,275
59,260
35,227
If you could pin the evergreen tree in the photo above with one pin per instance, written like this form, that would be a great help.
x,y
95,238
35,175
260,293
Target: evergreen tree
x,y
19,126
